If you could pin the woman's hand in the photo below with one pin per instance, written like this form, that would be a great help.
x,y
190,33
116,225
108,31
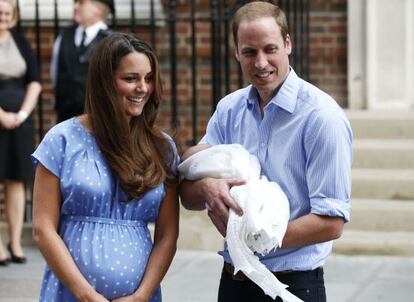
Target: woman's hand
x,y
132,298
9,120
93,297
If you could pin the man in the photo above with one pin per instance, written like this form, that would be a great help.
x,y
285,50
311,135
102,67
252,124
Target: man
x,y
71,55
303,141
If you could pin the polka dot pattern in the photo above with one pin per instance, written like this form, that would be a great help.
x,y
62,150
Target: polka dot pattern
x,y
107,237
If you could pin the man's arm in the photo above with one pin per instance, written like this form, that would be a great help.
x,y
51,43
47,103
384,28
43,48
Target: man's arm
x,y
311,229
54,61
328,145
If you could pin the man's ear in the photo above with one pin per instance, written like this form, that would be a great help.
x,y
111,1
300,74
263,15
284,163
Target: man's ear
x,y
236,53
288,44
102,10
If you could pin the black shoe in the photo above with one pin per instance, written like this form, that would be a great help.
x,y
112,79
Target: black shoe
x,y
4,262
14,258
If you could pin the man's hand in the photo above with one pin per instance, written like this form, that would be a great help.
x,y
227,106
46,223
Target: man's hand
x,y
219,201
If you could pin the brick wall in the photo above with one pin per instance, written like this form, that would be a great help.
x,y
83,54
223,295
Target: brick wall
x,y
328,48
327,64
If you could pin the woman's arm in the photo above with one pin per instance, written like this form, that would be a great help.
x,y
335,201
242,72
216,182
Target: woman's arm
x,y
46,213
11,120
165,245
31,97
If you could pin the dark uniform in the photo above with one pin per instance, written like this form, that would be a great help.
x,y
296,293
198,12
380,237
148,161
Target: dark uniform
x,y
72,68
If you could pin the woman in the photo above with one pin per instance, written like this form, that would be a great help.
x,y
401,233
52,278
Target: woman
x,y
19,91
101,177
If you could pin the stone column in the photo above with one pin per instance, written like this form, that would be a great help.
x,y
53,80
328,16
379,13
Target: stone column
x,y
381,54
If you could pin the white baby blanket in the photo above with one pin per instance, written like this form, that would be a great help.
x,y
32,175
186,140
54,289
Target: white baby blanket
x,y
265,207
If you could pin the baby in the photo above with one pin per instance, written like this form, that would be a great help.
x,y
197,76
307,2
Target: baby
x,y
264,204
219,161
193,150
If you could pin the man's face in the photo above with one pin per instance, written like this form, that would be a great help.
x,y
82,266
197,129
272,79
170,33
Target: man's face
x,y
86,12
263,55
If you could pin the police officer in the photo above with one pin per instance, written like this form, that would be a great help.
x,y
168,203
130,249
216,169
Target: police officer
x,y
71,54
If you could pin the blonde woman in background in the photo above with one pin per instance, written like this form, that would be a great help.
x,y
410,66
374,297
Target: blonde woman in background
x,y
19,92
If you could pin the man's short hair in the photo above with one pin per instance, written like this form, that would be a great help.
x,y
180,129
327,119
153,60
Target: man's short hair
x,y
256,10
104,8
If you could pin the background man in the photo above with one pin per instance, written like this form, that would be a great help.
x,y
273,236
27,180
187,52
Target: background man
x,y
71,54
303,141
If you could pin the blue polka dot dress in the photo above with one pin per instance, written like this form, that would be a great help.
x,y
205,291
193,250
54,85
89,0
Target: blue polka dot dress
x,y
107,237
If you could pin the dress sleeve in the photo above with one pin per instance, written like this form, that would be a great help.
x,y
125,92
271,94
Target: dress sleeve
x,y
32,73
175,158
51,151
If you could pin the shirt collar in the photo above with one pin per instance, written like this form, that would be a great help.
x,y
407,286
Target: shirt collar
x,y
286,97
91,32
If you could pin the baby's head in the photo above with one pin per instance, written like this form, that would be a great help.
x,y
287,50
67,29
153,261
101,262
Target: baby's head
x,y
193,150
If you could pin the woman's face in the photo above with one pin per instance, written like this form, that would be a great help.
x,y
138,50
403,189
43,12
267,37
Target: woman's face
x,y
134,82
6,15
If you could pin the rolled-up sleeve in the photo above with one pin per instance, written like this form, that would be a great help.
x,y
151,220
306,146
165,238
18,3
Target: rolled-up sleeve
x,y
328,145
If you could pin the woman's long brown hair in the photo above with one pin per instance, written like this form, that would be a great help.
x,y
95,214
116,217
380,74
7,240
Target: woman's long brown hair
x,y
138,152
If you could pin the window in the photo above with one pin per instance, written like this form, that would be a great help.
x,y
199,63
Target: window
x,y
65,10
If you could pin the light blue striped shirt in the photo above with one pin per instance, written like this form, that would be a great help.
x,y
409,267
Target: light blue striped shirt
x,y
304,143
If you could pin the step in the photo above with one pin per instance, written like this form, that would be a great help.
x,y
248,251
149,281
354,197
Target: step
x,y
385,124
197,232
383,154
382,215
26,234
354,242
383,184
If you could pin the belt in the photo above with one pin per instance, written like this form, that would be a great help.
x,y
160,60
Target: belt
x,y
240,276
11,83
103,220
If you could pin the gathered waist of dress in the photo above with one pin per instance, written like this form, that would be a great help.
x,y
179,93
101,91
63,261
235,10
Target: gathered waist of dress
x,y
133,223
12,83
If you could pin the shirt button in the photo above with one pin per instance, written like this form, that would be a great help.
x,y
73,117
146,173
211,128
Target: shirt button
x,y
263,145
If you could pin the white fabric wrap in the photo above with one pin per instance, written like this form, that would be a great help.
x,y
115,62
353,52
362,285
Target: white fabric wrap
x,y
265,207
